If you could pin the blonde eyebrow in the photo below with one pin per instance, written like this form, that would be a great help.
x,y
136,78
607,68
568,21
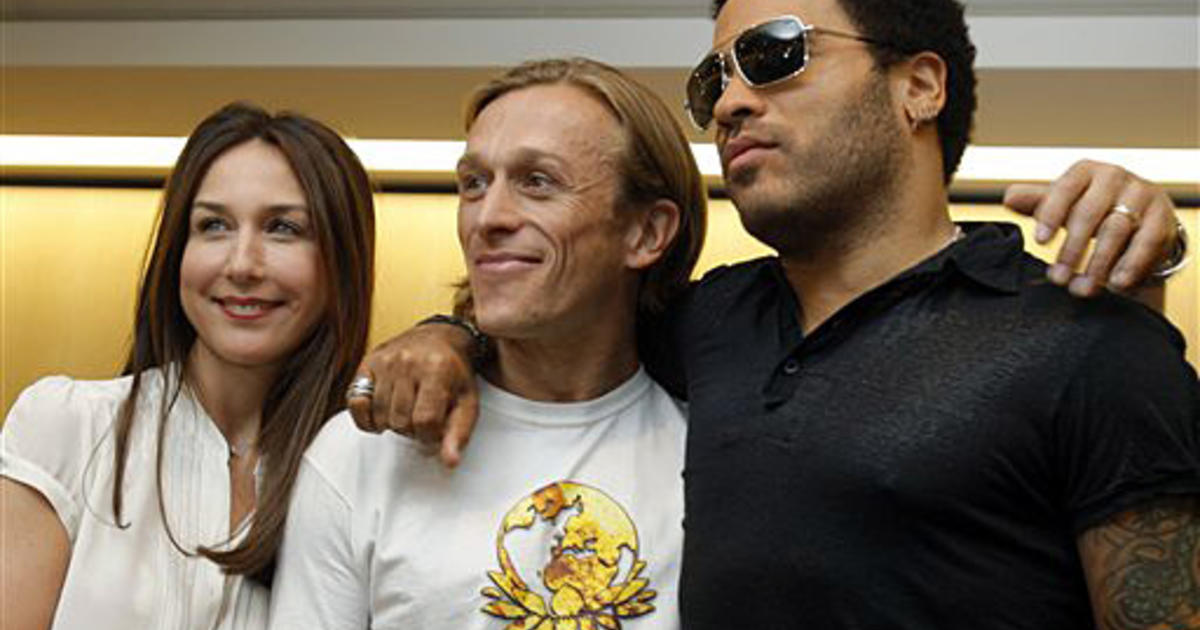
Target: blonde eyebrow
x,y
524,156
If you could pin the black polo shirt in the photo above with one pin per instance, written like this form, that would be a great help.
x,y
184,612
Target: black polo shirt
x,y
927,456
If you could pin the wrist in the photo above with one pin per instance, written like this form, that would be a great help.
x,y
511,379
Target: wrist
x,y
480,343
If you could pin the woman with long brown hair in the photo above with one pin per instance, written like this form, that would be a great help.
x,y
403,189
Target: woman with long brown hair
x,y
157,500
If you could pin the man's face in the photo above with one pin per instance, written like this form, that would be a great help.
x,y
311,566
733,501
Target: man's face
x,y
800,155
544,245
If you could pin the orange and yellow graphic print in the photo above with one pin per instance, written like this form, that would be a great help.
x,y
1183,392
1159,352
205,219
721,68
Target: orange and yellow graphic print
x,y
589,585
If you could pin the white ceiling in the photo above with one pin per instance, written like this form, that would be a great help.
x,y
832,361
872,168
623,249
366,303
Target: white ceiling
x,y
1049,42
327,9
489,33
1053,72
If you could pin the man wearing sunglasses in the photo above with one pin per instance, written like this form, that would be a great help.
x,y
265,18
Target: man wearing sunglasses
x,y
896,422
917,433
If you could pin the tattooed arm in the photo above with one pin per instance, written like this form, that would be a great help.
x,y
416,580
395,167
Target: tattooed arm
x,y
1143,567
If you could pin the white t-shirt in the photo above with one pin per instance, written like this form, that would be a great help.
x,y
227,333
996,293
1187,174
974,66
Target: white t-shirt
x,y
58,440
558,512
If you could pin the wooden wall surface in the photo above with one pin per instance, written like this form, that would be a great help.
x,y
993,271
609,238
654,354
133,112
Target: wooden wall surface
x,y
69,261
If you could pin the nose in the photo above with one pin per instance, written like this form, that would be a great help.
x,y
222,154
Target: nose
x,y
246,258
738,102
498,211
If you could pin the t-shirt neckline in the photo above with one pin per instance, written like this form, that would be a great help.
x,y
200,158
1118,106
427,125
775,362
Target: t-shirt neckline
x,y
494,400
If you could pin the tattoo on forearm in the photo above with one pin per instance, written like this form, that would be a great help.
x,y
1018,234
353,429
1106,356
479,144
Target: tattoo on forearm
x,y
1145,567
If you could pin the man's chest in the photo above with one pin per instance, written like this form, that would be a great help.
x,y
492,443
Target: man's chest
x,y
917,412
528,537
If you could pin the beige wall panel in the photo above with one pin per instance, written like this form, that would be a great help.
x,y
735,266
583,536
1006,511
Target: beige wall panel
x,y
67,285
1148,108
71,256
417,260
1091,108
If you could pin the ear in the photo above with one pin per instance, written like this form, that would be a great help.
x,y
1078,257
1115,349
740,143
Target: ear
x,y
651,234
923,88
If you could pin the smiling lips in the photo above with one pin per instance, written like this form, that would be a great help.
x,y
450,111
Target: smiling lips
x,y
246,308
500,262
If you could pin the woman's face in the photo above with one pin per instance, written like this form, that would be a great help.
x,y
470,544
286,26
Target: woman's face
x,y
250,281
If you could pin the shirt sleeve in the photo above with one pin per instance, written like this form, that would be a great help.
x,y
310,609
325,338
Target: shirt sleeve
x,y
1129,423
50,436
319,581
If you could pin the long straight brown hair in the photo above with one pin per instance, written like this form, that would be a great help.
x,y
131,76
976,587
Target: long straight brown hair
x,y
310,387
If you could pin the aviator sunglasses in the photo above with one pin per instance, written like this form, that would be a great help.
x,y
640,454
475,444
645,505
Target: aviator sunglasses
x,y
762,55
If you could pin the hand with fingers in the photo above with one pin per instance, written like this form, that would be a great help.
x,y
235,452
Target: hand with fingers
x,y
1133,222
420,384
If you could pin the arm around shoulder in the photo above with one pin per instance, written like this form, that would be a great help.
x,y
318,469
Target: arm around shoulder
x,y
422,385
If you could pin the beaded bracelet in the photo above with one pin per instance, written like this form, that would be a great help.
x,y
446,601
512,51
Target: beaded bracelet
x,y
482,343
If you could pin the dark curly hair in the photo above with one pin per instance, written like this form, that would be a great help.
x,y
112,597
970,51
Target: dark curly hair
x,y
913,26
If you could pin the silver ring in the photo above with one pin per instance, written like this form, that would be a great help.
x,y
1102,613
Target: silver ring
x,y
361,387
1128,213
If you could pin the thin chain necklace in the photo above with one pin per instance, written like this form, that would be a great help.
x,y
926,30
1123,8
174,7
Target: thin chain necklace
x,y
241,449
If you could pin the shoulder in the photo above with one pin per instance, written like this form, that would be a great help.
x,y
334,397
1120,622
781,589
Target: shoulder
x,y
62,409
334,453
1012,302
341,439
1106,321
51,434
664,404
736,275
343,457
59,389
1125,338
727,288
1119,356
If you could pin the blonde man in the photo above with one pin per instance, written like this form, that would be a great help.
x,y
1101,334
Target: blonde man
x,y
580,205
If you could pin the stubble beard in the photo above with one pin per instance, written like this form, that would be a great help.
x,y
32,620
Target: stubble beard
x,y
837,189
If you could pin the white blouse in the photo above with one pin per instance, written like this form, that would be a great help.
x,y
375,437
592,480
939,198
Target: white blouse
x,y
58,439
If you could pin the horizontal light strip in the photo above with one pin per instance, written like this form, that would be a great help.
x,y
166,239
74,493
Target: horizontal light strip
x,y
433,156
1179,166
89,151
981,163
417,156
